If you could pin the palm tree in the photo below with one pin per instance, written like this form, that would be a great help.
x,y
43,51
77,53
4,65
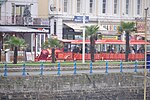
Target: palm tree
x,y
92,32
52,43
128,27
23,46
15,42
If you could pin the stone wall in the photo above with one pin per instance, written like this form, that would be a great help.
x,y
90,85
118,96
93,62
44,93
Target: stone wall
x,y
112,86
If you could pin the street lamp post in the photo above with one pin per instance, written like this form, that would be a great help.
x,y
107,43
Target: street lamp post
x,y
145,69
83,45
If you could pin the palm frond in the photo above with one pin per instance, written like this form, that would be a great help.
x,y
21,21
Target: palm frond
x,y
126,26
91,29
16,41
51,43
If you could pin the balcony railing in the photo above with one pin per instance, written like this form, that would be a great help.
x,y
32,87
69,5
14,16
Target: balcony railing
x,y
19,20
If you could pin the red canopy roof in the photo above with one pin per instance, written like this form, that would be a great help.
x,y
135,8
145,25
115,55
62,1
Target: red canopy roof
x,y
132,42
111,42
139,42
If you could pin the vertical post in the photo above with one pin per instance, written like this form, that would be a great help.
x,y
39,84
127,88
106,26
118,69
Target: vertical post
x,y
58,73
106,67
75,67
24,70
35,47
41,69
91,67
121,66
83,45
5,70
145,69
135,68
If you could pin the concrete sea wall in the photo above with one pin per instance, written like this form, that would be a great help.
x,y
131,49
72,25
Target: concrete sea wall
x,y
111,86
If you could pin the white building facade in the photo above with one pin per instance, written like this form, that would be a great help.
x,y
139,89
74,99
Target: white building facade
x,y
11,11
107,13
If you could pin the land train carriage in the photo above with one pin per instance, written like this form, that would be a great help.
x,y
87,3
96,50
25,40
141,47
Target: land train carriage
x,y
99,55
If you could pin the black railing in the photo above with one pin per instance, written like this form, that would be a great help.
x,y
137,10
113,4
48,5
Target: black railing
x,y
20,20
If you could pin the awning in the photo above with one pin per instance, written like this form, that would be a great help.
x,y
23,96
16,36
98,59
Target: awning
x,y
19,29
78,27
113,42
138,42
132,42
99,42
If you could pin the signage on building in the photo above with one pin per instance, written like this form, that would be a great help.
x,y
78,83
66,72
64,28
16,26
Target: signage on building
x,y
140,27
80,18
115,28
110,37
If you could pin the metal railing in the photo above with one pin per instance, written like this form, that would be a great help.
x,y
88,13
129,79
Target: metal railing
x,y
20,20
73,69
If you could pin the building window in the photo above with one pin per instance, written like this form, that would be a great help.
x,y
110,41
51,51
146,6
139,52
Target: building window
x,y
78,6
65,5
138,6
0,12
19,14
115,6
91,6
104,6
20,10
127,6
13,13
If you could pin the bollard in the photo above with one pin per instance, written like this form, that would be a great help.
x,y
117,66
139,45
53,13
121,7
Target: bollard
x,y
41,69
91,69
106,67
135,66
24,70
121,66
5,70
58,73
75,67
